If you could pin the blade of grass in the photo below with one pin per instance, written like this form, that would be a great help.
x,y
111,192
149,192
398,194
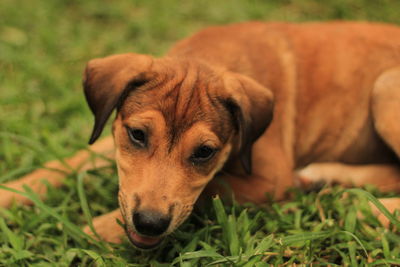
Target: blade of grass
x,y
357,240
352,253
98,260
264,244
85,205
220,211
198,254
288,240
232,236
16,242
75,231
377,203
15,173
385,246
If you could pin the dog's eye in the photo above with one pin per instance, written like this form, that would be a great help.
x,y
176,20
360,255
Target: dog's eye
x,y
202,154
138,137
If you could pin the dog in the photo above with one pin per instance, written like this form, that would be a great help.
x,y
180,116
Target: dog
x,y
259,106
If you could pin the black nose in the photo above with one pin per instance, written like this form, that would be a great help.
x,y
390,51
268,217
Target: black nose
x,y
150,223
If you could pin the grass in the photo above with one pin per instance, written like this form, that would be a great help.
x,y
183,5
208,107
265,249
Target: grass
x,y
43,48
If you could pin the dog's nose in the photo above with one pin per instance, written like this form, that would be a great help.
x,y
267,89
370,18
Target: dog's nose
x,y
150,223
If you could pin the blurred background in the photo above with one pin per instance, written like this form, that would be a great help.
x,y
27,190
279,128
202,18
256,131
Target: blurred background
x,y
44,46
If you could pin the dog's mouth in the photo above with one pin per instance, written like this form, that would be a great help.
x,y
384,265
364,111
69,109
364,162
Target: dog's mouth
x,y
143,242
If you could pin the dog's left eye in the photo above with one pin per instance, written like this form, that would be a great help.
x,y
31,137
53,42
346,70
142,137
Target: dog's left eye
x,y
202,154
138,137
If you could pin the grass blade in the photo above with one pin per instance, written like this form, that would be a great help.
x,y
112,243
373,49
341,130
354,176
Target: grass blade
x,y
85,205
264,244
232,236
303,237
16,242
75,231
377,203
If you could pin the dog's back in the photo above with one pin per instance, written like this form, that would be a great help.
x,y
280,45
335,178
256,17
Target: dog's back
x,y
322,75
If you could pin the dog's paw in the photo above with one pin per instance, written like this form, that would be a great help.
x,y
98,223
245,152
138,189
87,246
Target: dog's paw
x,y
107,228
391,204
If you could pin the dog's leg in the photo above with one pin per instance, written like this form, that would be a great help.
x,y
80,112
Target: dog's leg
x,y
107,227
385,177
385,112
386,108
391,204
55,171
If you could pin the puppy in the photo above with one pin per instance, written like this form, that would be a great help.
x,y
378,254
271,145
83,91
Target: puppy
x,y
255,103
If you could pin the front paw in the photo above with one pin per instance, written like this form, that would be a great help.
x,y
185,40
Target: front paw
x,y
107,228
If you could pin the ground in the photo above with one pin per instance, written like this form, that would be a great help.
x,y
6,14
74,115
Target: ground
x,y
43,48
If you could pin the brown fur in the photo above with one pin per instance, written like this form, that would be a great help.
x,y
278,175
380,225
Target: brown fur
x,y
334,89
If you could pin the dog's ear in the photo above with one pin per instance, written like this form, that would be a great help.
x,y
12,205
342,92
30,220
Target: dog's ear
x,y
251,107
107,81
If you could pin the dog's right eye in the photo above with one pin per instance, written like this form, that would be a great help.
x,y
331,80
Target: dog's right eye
x,y
138,137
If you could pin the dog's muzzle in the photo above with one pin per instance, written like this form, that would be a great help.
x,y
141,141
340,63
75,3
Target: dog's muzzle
x,y
149,226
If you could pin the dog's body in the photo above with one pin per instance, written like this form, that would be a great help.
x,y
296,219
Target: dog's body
x,y
206,108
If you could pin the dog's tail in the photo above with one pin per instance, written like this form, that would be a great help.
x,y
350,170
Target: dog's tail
x,y
54,172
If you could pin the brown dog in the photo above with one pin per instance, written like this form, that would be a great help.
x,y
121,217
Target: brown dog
x,y
332,89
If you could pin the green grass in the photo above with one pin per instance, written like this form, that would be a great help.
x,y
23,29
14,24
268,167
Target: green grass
x,y
43,48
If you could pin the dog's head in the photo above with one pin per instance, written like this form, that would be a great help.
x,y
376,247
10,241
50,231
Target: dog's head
x,y
178,122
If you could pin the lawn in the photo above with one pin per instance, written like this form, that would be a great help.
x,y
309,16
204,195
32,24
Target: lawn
x,y
43,116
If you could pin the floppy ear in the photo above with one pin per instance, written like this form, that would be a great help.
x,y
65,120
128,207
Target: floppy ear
x,y
107,81
251,107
